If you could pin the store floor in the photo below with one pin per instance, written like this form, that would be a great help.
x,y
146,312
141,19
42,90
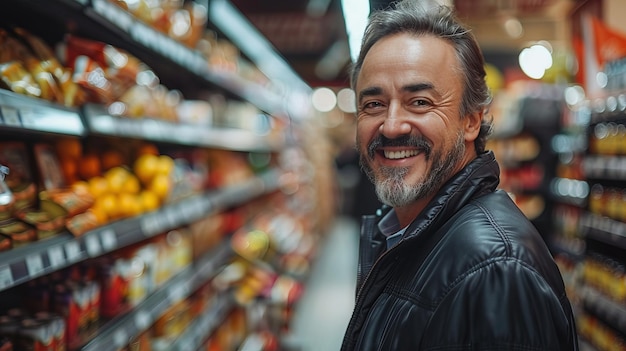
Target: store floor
x,y
323,312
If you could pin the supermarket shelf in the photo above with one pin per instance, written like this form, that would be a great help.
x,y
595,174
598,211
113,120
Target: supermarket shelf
x,y
603,229
22,264
570,191
100,122
204,325
604,308
19,112
605,167
118,332
569,143
173,61
574,248
254,93
113,15
177,67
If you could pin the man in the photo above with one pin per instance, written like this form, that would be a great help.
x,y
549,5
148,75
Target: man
x,y
453,264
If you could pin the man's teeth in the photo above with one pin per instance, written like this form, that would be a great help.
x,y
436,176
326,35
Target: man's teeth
x,y
400,154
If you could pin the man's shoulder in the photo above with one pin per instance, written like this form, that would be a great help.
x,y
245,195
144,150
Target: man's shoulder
x,y
494,213
493,226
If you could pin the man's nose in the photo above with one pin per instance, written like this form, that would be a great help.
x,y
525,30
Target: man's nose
x,y
396,124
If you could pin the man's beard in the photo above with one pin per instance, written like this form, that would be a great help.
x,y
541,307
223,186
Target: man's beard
x,y
390,186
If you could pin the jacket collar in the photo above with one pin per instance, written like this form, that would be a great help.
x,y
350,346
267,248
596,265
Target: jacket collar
x,y
480,176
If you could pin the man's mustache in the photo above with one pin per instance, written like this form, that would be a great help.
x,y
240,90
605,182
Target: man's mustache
x,y
418,142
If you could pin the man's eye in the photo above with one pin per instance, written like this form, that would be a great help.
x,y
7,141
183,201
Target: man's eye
x,y
421,102
372,104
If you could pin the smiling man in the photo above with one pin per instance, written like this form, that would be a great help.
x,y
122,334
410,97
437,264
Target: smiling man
x,y
451,263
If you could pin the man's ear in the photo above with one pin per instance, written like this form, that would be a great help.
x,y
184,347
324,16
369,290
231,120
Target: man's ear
x,y
472,124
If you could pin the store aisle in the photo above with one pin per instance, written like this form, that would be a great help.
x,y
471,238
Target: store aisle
x,y
324,310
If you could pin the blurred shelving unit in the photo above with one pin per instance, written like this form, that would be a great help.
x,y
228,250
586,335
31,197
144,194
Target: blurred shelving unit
x,y
259,195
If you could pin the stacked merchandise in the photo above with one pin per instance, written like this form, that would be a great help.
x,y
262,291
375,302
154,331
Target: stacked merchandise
x,y
522,142
590,222
590,190
147,201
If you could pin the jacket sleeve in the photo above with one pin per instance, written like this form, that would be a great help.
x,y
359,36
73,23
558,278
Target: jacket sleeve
x,y
502,305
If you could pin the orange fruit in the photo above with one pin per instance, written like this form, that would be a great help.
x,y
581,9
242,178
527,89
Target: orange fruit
x,y
69,169
111,158
160,185
109,203
116,178
128,205
131,185
147,149
145,167
69,148
149,200
89,166
106,206
115,172
97,186
99,215
165,165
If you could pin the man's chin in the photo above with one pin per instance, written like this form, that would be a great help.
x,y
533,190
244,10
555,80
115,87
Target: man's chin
x,y
396,193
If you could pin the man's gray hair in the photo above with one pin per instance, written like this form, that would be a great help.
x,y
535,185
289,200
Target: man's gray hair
x,y
419,18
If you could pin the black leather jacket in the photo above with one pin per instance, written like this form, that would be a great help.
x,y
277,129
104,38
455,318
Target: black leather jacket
x,y
471,273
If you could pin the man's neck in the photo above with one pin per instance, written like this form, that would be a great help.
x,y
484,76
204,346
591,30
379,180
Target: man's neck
x,y
407,214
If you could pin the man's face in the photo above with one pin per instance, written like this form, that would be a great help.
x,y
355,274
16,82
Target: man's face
x,y
410,136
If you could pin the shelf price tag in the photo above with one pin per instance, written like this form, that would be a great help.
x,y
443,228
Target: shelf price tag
x,y
183,212
52,120
11,116
109,239
34,265
29,117
151,224
193,209
6,277
72,251
56,257
120,338
92,244
143,320
178,292
153,129
129,127
173,217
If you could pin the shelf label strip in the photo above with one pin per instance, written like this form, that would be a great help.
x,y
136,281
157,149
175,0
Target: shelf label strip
x,y
56,256
10,116
114,14
6,277
34,265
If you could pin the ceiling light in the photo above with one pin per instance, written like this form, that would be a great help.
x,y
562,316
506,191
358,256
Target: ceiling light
x,y
346,100
355,13
535,60
323,99
574,95
513,28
